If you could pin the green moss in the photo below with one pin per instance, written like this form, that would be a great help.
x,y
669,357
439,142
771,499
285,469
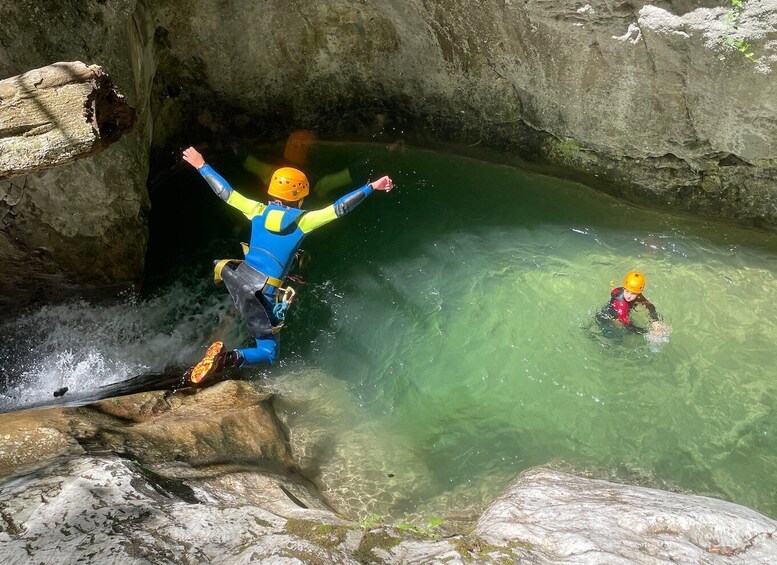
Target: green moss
x,y
521,544
305,556
375,539
328,536
262,523
567,152
472,549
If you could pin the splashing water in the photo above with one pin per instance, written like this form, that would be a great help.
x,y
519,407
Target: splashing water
x,y
84,346
656,339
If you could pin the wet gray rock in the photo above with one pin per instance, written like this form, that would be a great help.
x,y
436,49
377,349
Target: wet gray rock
x,y
647,101
208,476
199,475
105,509
568,519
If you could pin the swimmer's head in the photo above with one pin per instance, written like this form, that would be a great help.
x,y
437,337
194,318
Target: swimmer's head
x,y
634,283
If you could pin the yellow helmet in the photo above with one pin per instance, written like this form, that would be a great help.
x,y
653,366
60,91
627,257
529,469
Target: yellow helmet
x,y
289,184
635,282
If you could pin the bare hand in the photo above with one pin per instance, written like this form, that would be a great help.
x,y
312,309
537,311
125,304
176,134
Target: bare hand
x,y
384,183
193,157
657,327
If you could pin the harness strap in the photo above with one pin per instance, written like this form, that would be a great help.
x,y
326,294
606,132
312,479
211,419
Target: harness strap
x,y
219,266
272,281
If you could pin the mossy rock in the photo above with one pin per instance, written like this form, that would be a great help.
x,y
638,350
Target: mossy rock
x,y
328,536
373,539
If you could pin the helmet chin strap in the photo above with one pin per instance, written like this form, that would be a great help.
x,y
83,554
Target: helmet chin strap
x,y
286,204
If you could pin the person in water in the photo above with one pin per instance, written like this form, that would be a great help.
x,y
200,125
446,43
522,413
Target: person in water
x,y
623,300
256,283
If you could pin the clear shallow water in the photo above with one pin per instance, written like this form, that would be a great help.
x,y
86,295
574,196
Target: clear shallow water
x,y
444,341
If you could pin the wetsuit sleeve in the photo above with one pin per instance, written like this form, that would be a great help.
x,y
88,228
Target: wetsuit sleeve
x,y
221,187
654,317
216,181
351,200
250,208
317,218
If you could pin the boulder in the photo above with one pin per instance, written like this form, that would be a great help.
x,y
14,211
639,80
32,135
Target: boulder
x,y
568,519
79,227
207,475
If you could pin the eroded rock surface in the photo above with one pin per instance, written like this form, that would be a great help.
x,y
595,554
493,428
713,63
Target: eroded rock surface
x,y
208,476
57,114
81,226
567,519
651,101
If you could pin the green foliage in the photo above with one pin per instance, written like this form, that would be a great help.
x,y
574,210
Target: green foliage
x,y
329,536
371,521
427,530
731,19
741,45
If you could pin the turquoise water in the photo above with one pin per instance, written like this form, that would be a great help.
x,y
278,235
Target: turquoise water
x,y
458,311
444,339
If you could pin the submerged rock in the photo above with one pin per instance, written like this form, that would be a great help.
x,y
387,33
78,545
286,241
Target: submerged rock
x,y
333,441
208,476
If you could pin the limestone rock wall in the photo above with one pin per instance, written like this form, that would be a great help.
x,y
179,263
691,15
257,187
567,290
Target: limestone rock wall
x,y
650,101
81,225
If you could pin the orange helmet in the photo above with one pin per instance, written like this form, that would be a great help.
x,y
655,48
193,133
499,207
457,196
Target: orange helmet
x,y
635,282
289,184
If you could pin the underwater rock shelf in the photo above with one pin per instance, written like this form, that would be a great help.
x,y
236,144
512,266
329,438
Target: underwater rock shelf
x,y
208,475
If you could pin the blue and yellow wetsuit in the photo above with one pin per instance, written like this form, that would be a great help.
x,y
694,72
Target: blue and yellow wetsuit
x,y
276,234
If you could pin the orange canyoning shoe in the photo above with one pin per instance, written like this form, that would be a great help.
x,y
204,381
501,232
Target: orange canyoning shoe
x,y
211,363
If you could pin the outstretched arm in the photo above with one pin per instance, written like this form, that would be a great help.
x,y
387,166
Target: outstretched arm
x,y
250,208
217,183
317,218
